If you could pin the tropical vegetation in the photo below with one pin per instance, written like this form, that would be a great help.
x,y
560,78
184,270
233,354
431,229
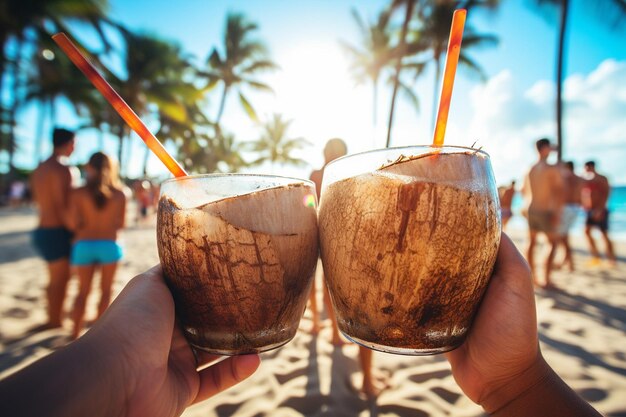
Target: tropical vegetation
x,y
162,83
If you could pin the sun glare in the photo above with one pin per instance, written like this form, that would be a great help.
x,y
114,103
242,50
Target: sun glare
x,y
315,89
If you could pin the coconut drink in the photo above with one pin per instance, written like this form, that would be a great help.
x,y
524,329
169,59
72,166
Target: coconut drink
x,y
238,253
409,238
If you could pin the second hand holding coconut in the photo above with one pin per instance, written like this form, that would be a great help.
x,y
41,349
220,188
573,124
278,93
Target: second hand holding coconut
x,y
409,237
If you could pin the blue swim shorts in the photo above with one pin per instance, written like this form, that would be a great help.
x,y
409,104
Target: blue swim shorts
x,y
89,252
52,243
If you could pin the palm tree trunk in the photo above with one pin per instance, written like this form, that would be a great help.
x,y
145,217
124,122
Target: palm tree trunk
x,y
13,108
146,156
53,114
374,111
437,59
3,114
559,79
222,104
120,149
101,138
39,134
396,77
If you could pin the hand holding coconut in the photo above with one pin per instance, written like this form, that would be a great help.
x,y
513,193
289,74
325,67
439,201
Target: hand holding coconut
x,y
134,361
500,365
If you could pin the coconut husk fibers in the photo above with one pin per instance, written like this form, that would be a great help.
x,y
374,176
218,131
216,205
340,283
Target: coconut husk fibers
x,y
408,250
240,268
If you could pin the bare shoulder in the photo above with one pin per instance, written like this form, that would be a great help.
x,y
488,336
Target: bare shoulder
x,y
119,194
556,172
79,193
603,179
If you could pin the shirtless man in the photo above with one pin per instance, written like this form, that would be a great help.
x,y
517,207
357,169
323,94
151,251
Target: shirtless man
x,y
506,199
595,196
373,382
572,187
543,188
51,183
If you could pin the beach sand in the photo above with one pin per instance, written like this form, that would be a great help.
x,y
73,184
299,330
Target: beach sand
x,y
582,329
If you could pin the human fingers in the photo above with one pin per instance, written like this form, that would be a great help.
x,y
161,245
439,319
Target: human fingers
x,y
225,374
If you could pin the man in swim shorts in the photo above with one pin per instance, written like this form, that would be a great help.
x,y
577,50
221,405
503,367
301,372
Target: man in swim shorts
x,y
51,183
595,197
543,190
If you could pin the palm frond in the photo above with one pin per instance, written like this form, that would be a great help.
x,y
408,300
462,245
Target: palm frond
x,y
248,108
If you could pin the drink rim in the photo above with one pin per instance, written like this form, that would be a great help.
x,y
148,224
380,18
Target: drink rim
x,y
235,174
398,148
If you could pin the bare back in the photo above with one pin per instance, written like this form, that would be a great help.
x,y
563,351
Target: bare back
x,y
93,223
573,186
544,186
51,184
596,193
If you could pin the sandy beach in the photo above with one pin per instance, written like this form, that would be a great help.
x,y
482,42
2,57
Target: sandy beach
x,y
582,327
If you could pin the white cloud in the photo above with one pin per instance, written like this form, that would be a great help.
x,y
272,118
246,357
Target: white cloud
x,y
508,120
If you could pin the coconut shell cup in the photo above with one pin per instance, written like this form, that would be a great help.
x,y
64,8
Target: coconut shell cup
x,y
239,267
408,248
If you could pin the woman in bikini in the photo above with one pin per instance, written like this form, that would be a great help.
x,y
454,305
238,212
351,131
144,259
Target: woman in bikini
x,y
97,212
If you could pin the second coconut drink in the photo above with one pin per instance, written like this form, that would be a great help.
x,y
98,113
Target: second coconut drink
x,y
238,253
409,238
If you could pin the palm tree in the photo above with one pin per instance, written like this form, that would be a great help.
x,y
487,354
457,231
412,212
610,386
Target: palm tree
x,y
211,152
433,33
374,55
614,8
275,146
155,77
52,77
23,22
189,135
379,51
241,59
226,152
402,51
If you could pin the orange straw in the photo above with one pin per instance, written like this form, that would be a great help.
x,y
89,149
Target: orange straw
x,y
452,60
118,103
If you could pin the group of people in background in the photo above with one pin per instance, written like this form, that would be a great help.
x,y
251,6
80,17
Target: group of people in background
x,y
78,227
554,196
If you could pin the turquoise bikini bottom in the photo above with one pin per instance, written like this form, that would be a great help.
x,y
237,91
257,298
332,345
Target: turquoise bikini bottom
x,y
89,252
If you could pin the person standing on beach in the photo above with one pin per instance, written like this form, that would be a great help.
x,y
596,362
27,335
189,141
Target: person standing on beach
x,y
335,148
506,200
543,188
572,187
97,211
51,184
373,383
595,197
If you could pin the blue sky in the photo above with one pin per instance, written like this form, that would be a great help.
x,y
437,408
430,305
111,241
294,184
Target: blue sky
x,y
505,115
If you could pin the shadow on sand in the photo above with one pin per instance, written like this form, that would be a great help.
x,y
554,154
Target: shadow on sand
x,y
18,351
15,246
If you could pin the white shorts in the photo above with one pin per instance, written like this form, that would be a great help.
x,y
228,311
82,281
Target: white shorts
x,y
568,217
